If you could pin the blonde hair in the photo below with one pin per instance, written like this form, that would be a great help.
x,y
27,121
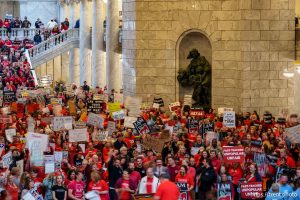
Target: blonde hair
x,y
95,175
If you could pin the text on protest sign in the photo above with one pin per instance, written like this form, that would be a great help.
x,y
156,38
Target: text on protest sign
x,y
224,191
9,96
154,143
100,136
141,126
251,190
183,188
113,107
9,133
5,120
128,122
174,106
111,127
133,104
118,115
7,159
197,113
293,134
95,120
233,154
229,119
37,144
94,106
78,135
61,123
193,125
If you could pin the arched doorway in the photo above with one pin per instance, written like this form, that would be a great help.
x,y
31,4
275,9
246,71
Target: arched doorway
x,y
188,41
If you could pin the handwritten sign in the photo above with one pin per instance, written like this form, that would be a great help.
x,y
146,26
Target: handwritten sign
x,y
57,110
58,156
49,168
229,119
100,136
78,135
111,127
9,96
293,134
94,106
113,107
7,159
9,133
95,120
233,154
133,104
128,122
61,123
118,115
141,126
37,144
174,106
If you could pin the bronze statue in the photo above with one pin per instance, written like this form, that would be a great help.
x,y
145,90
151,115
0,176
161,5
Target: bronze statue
x,y
198,76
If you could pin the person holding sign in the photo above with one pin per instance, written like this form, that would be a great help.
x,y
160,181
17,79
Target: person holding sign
x,y
99,186
76,187
184,177
253,175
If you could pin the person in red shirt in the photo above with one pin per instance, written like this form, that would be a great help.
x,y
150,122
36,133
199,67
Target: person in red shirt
x,y
11,188
253,175
215,161
290,162
183,177
125,187
76,187
173,168
98,185
134,175
167,190
236,173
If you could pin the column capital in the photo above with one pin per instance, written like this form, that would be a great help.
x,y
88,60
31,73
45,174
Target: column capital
x,y
68,2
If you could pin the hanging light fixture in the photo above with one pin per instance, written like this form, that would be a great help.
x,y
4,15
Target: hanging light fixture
x,y
288,74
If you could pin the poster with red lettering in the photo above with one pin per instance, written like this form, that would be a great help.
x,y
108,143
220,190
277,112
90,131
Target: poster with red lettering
x,y
251,190
233,154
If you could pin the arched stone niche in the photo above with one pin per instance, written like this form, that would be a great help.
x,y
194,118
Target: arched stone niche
x,y
192,39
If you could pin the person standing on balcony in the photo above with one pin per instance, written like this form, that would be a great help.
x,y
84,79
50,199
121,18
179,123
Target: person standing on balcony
x,y
26,24
37,38
51,24
38,23
17,23
67,23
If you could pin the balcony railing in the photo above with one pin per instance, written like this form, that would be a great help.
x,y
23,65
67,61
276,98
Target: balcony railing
x,y
20,32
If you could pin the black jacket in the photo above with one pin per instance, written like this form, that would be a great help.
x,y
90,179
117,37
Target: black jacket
x,y
114,173
208,178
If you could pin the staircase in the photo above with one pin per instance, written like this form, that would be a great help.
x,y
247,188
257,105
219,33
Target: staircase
x,y
53,47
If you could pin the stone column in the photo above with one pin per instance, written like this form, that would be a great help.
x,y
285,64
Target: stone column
x,y
98,65
71,54
85,70
112,35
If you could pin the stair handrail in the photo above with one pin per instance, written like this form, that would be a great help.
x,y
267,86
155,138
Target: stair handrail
x,y
57,40
20,32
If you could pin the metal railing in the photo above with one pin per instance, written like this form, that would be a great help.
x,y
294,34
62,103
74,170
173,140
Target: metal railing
x,y
20,32
53,41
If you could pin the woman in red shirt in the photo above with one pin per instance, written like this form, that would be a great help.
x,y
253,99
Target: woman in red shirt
x,y
253,175
184,177
11,188
98,185
125,187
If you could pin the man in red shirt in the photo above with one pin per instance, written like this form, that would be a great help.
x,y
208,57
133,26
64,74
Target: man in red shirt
x,y
167,190
173,168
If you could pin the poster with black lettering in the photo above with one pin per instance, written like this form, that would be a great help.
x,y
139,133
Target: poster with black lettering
x,y
205,127
159,101
94,106
224,191
193,125
141,126
9,96
183,188
229,119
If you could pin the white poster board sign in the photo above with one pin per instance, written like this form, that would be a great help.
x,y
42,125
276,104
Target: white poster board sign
x,y
37,144
9,133
49,168
61,123
100,136
7,159
78,135
118,115
111,127
229,119
128,122
95,120
133,104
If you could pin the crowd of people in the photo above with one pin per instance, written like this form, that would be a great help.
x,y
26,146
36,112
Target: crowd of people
x,y
52,28
123,163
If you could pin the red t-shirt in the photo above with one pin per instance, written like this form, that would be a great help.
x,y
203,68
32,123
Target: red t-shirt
x,y
125,195
77,188
173,171
149,185
100,187
12,191
168,191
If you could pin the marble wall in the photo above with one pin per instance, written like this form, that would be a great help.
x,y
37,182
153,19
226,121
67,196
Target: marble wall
x,y
10,8
252,42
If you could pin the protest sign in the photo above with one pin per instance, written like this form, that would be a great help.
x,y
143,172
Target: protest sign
x,y
49,158
56,101
61,123
9,96
46,110
20,165
118,115
229,119
37,144
100,136
154,143
28,196
95,120
5,111
193,126
2,147
31,124
78,135
207,127
183,188
7,159
128,122
82,146
57,110
233,154
133,104
9,133
194,150
58,156
5,119
251,190
174,106
49,167
111,127
187,100
72,107
65,155
210,135
141,126
94,106
80,124
224,191
197,112
159,101
222,110
114,107
293,134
